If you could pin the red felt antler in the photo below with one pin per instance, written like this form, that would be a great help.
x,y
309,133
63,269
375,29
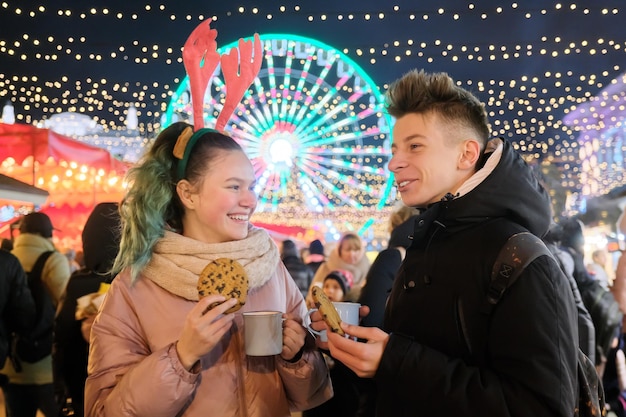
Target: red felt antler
x,y
200,58
239,71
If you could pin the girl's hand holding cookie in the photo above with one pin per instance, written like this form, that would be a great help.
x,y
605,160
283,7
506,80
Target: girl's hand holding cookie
x,y
202,331
293,336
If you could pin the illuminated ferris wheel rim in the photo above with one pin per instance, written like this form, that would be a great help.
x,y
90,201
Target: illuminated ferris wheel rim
x,y
268,37
281,147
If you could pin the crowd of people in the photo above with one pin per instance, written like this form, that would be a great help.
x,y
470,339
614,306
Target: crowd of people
x,y
133,337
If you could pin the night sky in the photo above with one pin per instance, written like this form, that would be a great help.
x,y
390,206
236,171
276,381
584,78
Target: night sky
x,y
531,62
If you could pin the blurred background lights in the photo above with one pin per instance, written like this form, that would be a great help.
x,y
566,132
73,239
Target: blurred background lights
x,y
555,91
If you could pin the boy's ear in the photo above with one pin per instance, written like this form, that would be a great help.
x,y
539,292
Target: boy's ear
x,y
470,154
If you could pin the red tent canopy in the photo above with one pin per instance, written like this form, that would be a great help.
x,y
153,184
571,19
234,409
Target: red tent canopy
x,y
76,176
19,141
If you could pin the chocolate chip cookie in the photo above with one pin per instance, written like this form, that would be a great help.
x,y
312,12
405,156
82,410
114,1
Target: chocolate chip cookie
x,y
327,310
226,277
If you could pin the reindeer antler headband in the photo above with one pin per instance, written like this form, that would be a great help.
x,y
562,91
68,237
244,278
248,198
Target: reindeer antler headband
x,y
200,57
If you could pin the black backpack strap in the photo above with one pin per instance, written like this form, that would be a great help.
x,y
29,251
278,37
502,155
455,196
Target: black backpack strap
x,y
516,254
38,288
37,269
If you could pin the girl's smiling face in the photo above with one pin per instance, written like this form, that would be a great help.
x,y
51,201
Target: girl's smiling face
x,y
220,209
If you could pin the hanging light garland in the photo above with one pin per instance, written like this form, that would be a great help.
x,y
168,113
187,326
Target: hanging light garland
x,y
527,100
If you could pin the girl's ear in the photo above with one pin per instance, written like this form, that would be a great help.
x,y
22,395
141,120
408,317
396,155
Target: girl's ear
x,y
184,191
470,154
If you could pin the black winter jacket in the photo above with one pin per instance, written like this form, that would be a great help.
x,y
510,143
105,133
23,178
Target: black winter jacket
x,y
16,302
101,242
435,361
301,274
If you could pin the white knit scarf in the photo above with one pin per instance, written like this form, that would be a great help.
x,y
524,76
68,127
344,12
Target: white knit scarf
x,y
177,261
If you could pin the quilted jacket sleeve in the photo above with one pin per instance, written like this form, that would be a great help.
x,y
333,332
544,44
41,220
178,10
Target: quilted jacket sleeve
x,y
307,381
125,378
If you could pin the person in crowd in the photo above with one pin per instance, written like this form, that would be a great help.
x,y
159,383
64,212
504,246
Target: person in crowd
x,y
80,259
337,285
586,329
597,267
349,254
383,270
7,244
345,402
437,353
300,273
17,307
101,242
155,347
602,306
31,387
316,255
614,378
70,254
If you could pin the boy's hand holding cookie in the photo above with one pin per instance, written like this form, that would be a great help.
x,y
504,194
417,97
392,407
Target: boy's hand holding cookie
x,y
327,310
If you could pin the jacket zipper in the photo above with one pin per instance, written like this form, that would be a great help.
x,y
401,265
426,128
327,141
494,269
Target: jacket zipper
x,y
240,379
463,324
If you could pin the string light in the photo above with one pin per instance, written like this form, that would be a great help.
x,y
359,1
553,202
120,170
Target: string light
x,y
526,75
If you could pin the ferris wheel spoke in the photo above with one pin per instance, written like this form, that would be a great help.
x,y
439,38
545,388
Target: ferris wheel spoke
x,y
306,126
260,117
271,77
362,187
248,129
320,166
297,98
311,127
265,185
346,151
316,196
286,81
345,165
341,138
332,188
316,86
260,121
260,94
314,138
249,141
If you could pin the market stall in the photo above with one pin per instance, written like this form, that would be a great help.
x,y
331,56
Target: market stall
x,y
75,175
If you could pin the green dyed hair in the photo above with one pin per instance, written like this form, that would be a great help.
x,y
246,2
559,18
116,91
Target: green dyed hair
x,y
151,203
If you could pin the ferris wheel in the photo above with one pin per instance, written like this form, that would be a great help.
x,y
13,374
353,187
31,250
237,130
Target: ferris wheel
x,y
313,125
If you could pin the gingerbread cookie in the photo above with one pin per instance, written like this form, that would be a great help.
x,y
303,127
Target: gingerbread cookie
x,y
226,277
327,310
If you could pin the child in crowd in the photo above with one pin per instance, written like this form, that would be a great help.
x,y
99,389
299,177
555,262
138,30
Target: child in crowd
x,y
349,255
337,284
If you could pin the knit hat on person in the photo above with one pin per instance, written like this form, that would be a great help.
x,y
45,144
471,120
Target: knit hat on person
x,y
343,277
316,248
37,223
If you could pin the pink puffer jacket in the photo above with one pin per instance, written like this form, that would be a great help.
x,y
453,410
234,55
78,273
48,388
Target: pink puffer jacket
x,y
134,369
